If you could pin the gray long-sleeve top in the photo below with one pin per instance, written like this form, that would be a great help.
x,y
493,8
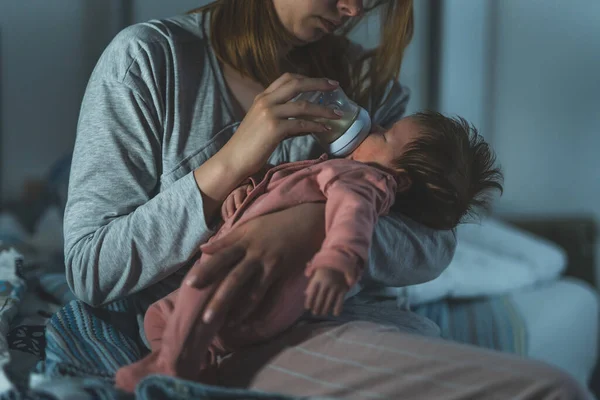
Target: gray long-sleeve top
x,y
157,107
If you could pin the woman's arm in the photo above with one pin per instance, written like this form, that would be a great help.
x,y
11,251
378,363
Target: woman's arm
x,y
404,252
121,235
123,231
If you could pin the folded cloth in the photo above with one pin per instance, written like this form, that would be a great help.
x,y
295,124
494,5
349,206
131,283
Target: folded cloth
x,y
151,388
12,291
492,322
491,258
89,344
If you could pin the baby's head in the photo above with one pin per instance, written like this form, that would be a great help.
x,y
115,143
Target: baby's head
x,y
444,168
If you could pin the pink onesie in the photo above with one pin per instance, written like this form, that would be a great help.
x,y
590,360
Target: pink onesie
x,y
355,195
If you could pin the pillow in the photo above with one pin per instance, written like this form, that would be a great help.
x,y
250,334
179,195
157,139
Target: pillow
x,y
491,258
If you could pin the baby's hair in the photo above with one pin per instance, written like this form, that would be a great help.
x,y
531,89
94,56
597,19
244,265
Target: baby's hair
x,y
452,170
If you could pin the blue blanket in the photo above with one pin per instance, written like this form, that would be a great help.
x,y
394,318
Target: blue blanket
x,y
85,346
490,322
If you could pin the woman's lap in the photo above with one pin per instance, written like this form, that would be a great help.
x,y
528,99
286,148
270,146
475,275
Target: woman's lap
x,y
362,360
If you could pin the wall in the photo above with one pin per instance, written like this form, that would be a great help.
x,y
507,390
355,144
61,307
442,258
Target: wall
x,y
144,10
47,54
465,44
547,106
527,72
532,81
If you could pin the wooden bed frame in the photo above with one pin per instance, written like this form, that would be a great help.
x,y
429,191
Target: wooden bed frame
x,y
576,234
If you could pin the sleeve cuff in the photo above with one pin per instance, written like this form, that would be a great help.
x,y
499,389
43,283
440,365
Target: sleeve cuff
x,y
190,195
347,264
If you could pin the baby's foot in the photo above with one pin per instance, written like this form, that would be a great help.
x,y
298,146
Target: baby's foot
x,y
128,377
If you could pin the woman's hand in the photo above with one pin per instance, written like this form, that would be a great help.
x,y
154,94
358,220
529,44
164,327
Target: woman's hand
x,y
233,202
268,122
254,255
265,125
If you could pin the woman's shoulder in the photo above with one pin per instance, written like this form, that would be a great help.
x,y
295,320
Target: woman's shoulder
x,y
153,44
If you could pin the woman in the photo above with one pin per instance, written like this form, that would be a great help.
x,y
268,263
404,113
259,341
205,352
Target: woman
x,y
177,113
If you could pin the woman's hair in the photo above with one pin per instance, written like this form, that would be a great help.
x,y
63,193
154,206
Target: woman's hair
x,y
452,171
248,36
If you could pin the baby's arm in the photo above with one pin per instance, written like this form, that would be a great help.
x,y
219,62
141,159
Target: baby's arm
x,y
355,199
235,199
326,291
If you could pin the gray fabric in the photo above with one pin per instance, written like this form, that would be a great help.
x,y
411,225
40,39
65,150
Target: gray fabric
x,y
157,107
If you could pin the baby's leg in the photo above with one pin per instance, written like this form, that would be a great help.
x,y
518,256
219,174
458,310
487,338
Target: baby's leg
x,y
179,339
281,307
156,317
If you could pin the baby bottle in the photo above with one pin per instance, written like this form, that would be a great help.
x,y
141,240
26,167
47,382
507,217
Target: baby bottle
x,y
348,131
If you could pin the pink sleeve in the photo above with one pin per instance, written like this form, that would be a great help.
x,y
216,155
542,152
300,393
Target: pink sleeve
x,y
355,199
252,180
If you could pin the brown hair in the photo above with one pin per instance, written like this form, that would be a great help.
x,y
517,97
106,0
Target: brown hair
x,y
248,36
452,170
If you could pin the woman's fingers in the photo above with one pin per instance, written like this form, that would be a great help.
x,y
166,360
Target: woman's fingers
x,y
296,127
304,109
283,79
293,87
251,150
207,272
224,243
230,288
244,304
260,285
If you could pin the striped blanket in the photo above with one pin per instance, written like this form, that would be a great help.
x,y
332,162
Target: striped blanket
x,y
84,346
493,323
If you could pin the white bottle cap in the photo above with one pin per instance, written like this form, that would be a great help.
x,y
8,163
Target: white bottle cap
x,y
354,135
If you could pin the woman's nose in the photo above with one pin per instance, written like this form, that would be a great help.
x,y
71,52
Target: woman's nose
x,y
350,8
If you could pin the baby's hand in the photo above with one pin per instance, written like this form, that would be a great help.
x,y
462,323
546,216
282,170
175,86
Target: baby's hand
x,y
235,200
326,291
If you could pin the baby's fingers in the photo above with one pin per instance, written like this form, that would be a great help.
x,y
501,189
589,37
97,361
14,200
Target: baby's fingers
x,y
238,198
230,207
225,208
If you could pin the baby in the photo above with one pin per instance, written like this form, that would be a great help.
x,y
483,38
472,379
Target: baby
x,y
431,168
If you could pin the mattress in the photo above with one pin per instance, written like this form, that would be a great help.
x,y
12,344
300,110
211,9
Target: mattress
x,y
561,318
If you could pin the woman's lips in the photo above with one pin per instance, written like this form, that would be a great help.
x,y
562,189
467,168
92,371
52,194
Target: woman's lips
x,y
329,26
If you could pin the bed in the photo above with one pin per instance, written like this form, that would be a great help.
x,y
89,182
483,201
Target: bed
x,y
552,318
556,333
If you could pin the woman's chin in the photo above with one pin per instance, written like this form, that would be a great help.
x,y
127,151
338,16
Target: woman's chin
x,y
310,35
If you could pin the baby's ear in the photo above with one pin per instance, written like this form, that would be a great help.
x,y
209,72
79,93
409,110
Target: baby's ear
x,y
403,181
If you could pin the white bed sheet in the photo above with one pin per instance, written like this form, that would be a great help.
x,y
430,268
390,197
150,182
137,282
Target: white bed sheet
x,y
562,320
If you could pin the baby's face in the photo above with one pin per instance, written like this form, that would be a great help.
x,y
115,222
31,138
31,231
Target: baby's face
x,y
382,147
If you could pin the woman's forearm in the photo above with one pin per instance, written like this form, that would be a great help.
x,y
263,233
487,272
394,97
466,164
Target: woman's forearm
x,y
216,179
404,252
